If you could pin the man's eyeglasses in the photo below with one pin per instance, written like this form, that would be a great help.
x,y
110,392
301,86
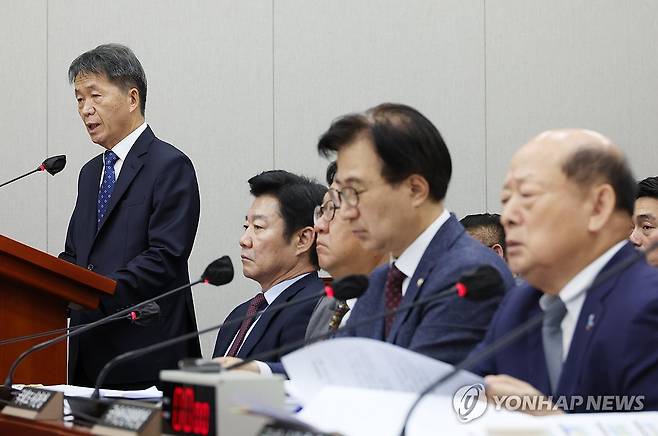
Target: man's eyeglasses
x,y
348,195
325,211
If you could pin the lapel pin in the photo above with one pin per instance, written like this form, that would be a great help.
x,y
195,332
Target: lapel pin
x,y
590,322
420,282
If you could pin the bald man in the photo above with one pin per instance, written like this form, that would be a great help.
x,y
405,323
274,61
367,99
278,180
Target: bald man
x,y
567,205
645,218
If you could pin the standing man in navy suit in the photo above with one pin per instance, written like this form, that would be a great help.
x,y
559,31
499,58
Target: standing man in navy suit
x,y
393,174
567,205
278,252
135,219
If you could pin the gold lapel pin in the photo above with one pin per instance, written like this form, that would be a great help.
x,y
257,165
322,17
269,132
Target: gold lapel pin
x,y
420,282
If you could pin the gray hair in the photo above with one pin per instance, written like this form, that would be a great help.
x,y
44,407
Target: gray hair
x,y
118,63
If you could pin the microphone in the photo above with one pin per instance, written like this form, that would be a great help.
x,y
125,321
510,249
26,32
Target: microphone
x,y
517,333
141,317
219,272
344,289
480,284
53,165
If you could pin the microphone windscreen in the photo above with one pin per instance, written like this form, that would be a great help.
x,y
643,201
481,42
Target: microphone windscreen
x,y
146,315
350,287
219,272
482,283
55,164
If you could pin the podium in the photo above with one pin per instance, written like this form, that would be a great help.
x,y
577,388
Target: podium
x,y
35,290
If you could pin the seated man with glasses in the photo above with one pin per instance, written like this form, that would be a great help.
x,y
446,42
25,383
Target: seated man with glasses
x,y
340,253
392,178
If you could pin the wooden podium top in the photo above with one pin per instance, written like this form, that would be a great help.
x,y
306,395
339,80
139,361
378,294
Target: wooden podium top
x,y
46,273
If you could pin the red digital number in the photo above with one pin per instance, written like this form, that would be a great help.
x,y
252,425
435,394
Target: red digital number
x,y
188,415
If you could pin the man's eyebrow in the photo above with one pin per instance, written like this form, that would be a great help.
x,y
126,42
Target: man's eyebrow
x,y
646,216
349,181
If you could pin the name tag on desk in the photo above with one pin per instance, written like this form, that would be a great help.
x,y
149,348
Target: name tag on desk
x,y
36,404
129,418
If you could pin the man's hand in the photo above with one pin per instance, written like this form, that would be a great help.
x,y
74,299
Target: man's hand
x,y
228,361
497,387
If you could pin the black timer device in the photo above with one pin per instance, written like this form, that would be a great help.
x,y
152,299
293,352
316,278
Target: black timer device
x,y
210,404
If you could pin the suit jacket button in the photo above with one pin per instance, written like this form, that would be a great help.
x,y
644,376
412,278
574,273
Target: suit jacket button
x,y
90,267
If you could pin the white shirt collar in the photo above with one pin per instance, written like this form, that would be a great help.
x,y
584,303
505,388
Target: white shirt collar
x,y
410,257
123,147
276,290
585,277
573,294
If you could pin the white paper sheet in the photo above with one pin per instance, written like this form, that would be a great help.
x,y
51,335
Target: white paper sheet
x,y
81,391
357,412
366,363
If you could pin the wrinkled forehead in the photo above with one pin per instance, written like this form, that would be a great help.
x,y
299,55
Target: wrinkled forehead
x,y
358,162
536,162
264,206
646,208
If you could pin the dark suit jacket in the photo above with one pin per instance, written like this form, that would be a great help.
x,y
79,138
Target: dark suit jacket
x,y
275,328
614,350
448,329
318,324
143,243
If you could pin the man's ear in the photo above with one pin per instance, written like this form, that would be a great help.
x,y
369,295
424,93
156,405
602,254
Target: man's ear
x,y
304,240
603,199
134,99
499,250
419,189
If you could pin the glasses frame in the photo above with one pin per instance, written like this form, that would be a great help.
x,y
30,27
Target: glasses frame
x,y
321,210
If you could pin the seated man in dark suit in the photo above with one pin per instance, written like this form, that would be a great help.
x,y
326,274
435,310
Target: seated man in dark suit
x,y
340,253
645,218
135,219
278,252
567,206
393,173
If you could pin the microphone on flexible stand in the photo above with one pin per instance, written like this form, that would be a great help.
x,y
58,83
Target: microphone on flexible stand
x,y
515,334
217,273
483,283
53,165
344,289
145,316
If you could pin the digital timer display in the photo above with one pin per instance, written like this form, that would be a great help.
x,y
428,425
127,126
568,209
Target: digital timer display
x,y
188,409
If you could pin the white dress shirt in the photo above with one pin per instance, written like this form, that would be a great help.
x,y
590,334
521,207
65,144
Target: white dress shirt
x,y
573,295
122,149
270,296
410,257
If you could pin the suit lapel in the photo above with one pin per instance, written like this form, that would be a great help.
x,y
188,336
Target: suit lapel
x,y
131,167
376,291
89,193
228,332
266,318
590,316
441,242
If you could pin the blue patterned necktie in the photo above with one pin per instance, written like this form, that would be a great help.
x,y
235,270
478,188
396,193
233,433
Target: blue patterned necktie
x,y
105,191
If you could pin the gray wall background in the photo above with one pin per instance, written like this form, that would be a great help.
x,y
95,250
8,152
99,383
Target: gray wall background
x,y
245,86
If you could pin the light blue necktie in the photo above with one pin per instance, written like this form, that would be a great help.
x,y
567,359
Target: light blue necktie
x,y
107,186
552,337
